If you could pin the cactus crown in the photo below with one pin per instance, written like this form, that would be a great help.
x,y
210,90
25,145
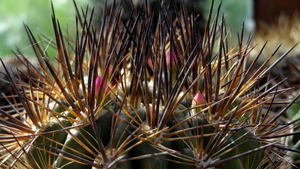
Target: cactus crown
x,y
145,93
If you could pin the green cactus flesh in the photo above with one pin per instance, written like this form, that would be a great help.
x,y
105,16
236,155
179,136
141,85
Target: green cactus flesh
x,y
81,142
245,142
40,153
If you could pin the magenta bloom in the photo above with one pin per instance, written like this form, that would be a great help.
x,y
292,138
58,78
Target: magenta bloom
x,y
171,55
198,100
149,62
100,85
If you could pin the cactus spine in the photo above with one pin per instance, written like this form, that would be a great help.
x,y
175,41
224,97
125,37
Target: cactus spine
x,y
125,96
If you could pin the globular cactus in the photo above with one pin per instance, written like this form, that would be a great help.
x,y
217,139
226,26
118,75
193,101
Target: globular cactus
x,y
126,96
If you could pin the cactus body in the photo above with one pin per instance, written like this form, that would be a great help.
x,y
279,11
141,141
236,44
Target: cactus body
x,y
40,152
82,142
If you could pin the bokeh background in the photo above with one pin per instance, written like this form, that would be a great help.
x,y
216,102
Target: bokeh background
x,y
37,15
255,14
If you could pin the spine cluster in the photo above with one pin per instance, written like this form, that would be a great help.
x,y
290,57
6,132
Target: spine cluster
x,y
146,93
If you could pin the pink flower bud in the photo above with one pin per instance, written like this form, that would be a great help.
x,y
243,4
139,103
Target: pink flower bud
x,y
149,62
198,100
110,69
100,85
171,53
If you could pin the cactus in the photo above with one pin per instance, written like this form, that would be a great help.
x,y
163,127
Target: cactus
x,y
125,96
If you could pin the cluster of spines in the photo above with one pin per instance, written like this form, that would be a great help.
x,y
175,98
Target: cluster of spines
x,y
127,94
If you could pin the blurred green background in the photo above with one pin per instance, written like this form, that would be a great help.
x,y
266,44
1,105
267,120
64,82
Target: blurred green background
x,y
236,12
37,15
